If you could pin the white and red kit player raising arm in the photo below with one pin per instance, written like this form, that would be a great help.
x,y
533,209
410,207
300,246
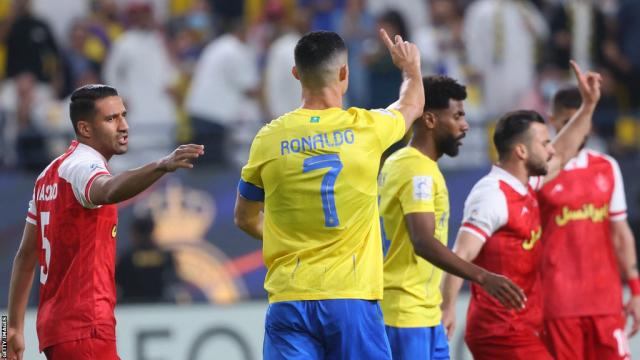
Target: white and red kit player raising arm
x,y
584,231
71,230
501,228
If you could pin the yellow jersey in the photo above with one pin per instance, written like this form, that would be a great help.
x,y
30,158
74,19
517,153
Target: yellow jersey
x,y
411,182
316,172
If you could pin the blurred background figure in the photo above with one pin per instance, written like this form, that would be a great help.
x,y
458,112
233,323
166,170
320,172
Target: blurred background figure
x,y
145,273
140,66
31,46
356,24
501,37
383,77
281,90
221,99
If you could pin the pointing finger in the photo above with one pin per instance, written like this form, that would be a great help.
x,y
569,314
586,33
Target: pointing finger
x,y
576,68
385,39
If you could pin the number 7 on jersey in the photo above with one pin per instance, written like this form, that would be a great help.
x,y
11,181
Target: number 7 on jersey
x,y
331,161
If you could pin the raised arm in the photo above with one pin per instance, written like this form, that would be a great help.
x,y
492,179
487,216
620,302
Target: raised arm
x,y
107,189
406,57
572,136
421,228
22,274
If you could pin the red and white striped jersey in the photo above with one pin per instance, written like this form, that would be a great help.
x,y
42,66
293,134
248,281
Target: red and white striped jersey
x,y
78,242
503,212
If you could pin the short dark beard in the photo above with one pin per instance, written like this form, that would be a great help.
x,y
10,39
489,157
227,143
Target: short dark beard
x,y
536,168
448,144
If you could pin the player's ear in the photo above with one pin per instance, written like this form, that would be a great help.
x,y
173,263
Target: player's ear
x,y
83,128
344,72
521,151
294,72
429,119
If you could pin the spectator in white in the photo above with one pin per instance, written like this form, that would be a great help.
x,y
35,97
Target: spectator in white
x,y
224,84
282,90
500,38
440,43
139,65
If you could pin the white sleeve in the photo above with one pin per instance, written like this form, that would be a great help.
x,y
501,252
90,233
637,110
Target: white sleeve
x,y
485,211
81,174
618,204
32,217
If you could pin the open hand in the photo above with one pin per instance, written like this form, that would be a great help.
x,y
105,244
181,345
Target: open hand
x,y
589,84
182,157
505,291
405,55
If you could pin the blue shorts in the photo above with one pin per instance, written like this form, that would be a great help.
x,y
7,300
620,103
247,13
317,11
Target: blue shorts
x,y
427,343
325,329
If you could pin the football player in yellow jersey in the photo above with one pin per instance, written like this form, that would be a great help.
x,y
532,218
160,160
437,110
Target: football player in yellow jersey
x,y
414,209
309,192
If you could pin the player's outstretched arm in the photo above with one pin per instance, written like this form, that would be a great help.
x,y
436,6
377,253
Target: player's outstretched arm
x,y
567,143
406,57
108,189
22,274
468,247
624,245
421,228
248,216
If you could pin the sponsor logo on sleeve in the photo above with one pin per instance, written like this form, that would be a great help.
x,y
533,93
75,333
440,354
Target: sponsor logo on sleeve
x,y
422,187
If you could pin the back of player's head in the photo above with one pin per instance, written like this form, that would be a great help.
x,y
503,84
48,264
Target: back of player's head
x,y
83,101
439,90
513,128
318,55
566,99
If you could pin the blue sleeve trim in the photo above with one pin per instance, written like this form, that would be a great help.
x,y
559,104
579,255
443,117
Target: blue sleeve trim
x,y
250,191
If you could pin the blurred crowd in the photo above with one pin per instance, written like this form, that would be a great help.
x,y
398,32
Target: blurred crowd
x,y
214,71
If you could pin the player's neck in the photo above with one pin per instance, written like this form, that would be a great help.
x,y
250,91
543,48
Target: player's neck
x,y
516,168
94,147
325,98
426,146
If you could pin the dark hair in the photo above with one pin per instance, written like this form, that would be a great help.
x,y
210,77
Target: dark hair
x,y
567,98
313,51
83,101
439,90
512,127
396,20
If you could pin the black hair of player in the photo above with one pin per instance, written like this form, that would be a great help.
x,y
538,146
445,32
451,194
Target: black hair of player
x,y
314,49
512,128
83,102
439,90
567,98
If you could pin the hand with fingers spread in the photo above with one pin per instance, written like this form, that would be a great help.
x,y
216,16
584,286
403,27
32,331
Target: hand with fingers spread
x,y
589,84
505,291
182,157
405,55
632,309
15,342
